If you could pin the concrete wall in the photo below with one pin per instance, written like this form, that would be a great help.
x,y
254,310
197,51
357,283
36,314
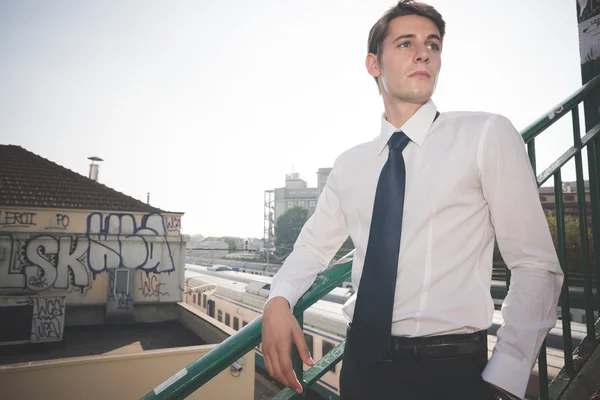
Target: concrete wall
x,y
119,377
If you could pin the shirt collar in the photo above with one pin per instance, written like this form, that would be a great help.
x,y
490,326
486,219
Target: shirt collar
x,y
415,128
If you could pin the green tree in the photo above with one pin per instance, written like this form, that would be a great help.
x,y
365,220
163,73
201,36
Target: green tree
x,y
572,240
287,229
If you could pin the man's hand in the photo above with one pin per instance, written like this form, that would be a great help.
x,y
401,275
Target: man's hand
x,y
280,329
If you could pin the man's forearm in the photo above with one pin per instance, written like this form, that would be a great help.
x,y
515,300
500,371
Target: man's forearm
x,y
529,312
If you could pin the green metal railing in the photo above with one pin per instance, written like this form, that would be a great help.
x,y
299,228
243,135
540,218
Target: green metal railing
x,y
222,356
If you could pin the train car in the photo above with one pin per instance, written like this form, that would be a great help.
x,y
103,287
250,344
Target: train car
x,y
239,298
337,295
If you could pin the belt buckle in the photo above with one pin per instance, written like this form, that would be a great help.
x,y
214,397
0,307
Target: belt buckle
x,y
408,353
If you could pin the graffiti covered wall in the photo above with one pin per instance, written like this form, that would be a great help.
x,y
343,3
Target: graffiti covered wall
x,y
75,252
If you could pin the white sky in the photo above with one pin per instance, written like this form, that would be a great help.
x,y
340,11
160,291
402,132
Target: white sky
x,y
205,104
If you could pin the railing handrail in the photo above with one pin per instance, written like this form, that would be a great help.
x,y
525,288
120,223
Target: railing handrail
x,y
209,365
227,352
554,114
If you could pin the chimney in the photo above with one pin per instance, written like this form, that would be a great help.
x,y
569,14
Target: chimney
x,y
94,168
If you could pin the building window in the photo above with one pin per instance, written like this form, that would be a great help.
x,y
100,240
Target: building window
x,y
121,281
244,323
236,323
220,315
227,319
194,298
326,348
204,300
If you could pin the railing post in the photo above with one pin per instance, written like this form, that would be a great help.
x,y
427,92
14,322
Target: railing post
x,y
543,372
564,298
583,231
595,206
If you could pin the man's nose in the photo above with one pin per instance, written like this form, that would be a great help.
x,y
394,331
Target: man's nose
x,y
422,55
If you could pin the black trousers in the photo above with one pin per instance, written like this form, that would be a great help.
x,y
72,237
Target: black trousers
x,y
457,378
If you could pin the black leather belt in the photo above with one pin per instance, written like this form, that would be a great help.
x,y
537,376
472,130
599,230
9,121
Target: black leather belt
x,y
432,347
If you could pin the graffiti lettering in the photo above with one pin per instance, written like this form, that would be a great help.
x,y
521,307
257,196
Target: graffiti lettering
x,y
48,308
42,272
48,314
124,301
105,254
150,286
173,224
37,282
20,219
113,241
47,330
62,220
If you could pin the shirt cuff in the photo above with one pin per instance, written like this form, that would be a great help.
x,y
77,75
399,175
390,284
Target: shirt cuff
x,y
285,290
508,373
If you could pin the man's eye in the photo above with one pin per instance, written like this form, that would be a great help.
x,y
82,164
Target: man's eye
x,y
404,44
434,46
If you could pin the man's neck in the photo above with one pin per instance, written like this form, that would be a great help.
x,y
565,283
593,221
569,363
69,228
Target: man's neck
x,y
398,113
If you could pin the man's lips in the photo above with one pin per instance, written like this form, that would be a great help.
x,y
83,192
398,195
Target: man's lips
x,y
420,74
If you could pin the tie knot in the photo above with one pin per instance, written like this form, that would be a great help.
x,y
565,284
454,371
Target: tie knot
x,y
398,141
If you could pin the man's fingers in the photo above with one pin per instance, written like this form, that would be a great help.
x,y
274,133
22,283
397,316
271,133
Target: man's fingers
x,y
268,363
272,364
277,372
285,362
303,350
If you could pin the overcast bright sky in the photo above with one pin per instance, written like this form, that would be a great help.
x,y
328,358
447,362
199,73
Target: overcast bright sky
x,y
207,103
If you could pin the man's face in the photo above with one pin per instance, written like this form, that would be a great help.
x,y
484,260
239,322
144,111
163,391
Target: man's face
x,y
409,60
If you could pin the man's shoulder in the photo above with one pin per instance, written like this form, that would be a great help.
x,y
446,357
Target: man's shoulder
x,y
478,123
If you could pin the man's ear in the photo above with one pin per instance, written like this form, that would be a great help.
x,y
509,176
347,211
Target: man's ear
x,y
372,64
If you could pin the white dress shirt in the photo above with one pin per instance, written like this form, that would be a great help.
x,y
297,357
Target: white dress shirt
x,y
468,181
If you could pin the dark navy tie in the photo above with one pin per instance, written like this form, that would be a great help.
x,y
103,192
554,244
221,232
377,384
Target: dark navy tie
x,y
372,321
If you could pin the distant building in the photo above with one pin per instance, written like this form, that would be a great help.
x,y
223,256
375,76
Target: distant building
x,y
296,193
211,247
322,175
570,199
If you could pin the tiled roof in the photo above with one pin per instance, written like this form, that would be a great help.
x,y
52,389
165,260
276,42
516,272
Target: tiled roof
x,y
28,180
